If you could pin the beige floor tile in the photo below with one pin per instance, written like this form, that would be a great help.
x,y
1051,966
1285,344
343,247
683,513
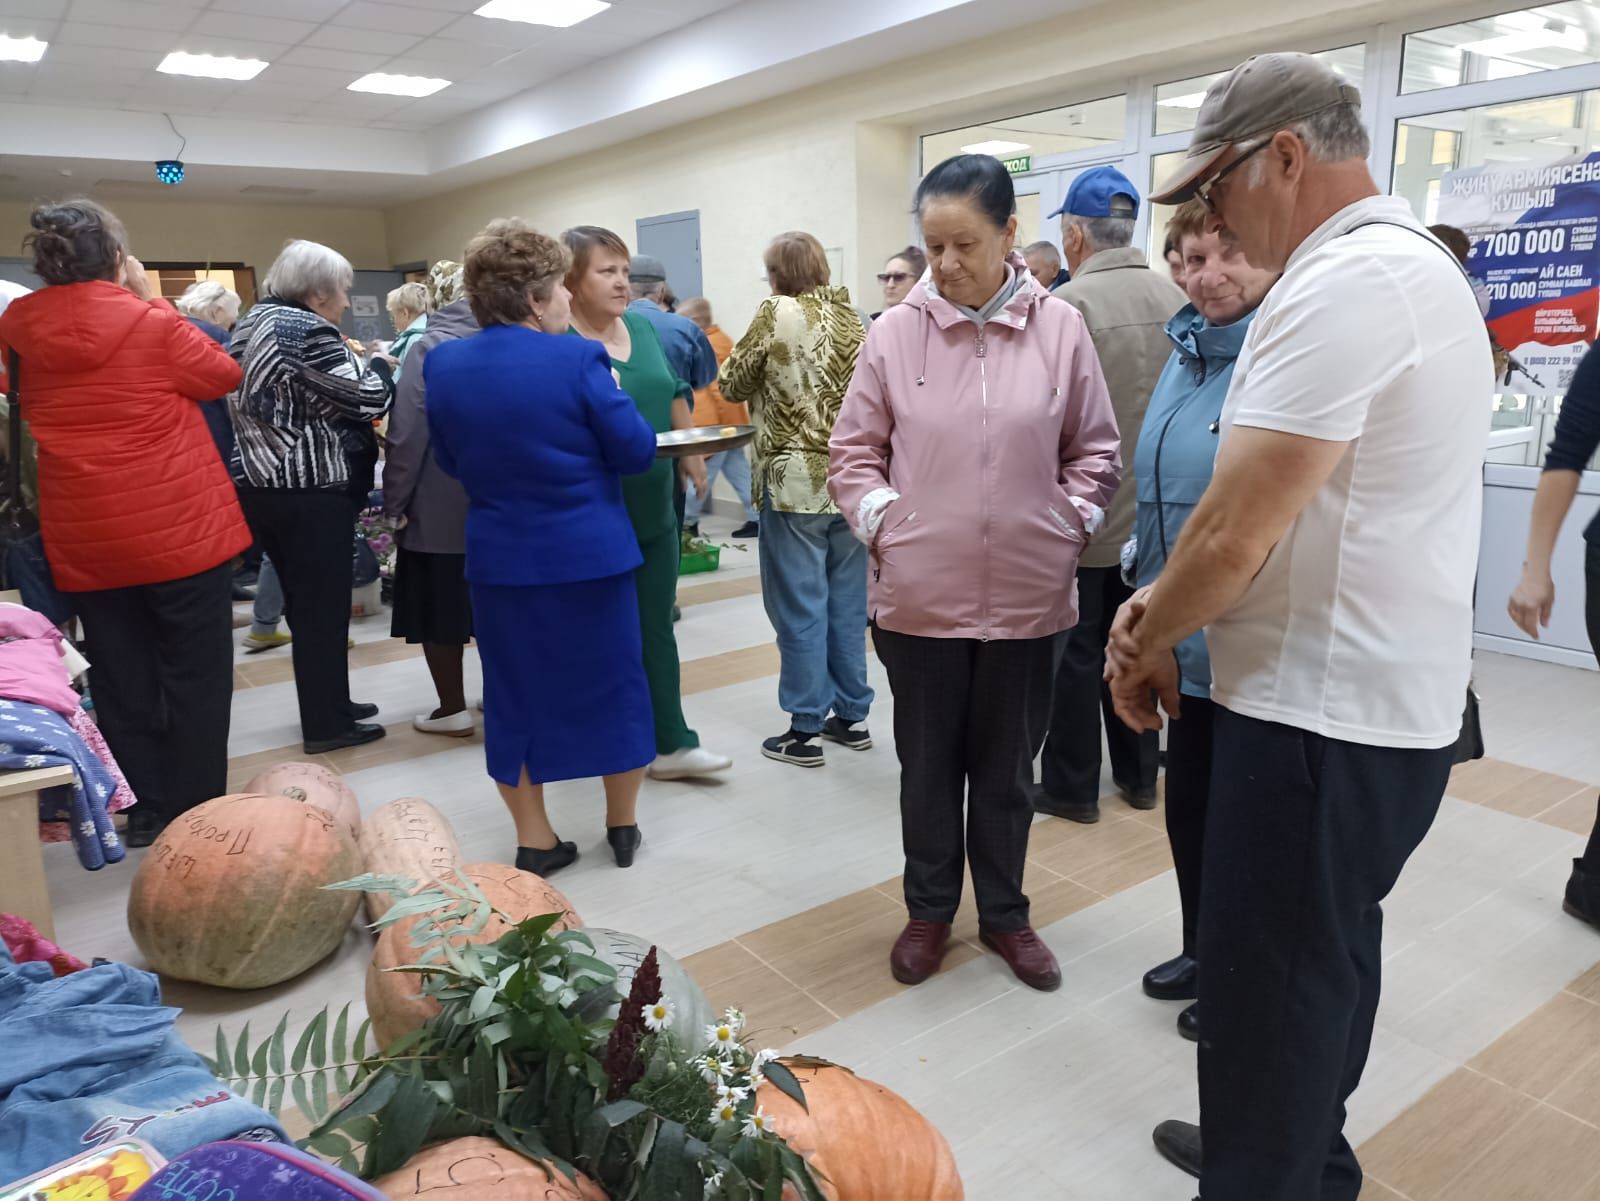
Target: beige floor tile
x,y
716,590
1376,1190
1576,813
1580,1094
1488,780
734,667
1587,985
1086,846
1533,797
1547,1156
775,1010
822,924
715,965
1537,1054
851,971
1127,869
1059,899
402,744
1422,1150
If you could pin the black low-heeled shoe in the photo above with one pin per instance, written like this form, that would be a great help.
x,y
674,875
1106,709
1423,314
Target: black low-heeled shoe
x,y
547,861
624,840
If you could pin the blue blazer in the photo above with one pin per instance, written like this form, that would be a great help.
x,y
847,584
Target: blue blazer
x,y
539,434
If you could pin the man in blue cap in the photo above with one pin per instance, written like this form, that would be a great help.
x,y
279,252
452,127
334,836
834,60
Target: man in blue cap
x,y
1126,306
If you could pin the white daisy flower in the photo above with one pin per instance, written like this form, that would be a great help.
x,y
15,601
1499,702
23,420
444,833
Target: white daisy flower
x,y
659,1016
725,1112
713,1068
735,1018
722,1038
713,1183
758,1123
762,1059
34,761
727,1094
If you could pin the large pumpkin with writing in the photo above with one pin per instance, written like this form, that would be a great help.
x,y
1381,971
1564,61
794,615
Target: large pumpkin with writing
x,y
481,1169
408,838
864,1142
394,999
232,892
314,785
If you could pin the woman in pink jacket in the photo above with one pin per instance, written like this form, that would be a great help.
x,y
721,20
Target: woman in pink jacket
x,y
974,453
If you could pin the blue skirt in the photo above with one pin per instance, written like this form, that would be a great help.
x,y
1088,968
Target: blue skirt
x,y
564,690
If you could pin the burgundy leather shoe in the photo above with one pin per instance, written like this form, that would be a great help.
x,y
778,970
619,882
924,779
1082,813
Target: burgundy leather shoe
x,y
918,951
1027,956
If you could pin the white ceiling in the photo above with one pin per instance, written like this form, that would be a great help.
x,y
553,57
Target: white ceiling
x,y
103,54
523,94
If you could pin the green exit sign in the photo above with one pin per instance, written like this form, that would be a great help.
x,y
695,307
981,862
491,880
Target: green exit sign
x,y
1018,164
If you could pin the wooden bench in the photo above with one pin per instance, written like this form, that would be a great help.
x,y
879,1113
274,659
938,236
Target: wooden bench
x,y
22,885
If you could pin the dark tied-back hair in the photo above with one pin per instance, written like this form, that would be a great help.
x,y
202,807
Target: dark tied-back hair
x,y
1457,242
914,256
508,267
980,178
75,241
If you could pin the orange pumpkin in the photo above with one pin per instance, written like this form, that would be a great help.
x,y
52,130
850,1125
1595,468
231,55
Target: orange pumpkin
x,y
864,1142
314,785
232,892
394,999
408,838
481,1169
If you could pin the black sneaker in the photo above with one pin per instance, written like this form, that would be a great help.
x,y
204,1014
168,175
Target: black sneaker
x,y
802,750
750,529
852,734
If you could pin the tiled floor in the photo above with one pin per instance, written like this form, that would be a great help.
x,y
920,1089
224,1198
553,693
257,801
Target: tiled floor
x,y
780,890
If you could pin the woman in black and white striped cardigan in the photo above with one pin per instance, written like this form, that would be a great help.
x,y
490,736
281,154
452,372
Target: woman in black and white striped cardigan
x,y
304,466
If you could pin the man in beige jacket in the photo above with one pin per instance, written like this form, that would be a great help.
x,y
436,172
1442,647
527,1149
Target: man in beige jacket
x,y
1126,306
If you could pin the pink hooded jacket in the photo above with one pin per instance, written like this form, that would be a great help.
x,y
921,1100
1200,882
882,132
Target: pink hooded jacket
x,y
974,462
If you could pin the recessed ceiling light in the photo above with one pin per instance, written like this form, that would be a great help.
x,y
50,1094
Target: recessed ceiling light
x,y
559,13
398,85
995,148
211,66
21,50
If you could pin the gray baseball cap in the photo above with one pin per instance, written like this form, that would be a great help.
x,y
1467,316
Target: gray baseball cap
x,y
647,269
1258,97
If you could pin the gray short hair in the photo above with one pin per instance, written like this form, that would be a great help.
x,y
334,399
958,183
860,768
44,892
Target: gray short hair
x,y
648,289
209,301
307,269
1335,135
412,297
1045,248
1105,233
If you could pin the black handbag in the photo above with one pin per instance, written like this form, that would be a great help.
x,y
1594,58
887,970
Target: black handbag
x,y
1469,745
17,521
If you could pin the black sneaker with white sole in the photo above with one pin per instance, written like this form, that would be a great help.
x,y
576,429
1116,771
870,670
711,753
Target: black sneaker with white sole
x,y
802,750
851,734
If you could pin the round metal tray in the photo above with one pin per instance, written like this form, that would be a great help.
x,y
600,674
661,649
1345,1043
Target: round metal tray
x,y
703,440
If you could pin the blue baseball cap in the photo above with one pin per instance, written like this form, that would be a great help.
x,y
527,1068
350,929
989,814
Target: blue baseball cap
x,y
1092,192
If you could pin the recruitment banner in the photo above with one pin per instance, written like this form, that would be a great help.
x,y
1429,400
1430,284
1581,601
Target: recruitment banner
x,y
1535,233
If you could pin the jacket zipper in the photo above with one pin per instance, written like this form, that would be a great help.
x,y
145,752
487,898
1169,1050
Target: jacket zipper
x,y
981,347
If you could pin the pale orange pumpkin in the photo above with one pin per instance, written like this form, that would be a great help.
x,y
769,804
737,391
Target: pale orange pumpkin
x,y
864,1142
408,838
394,999
314,785
232,892
481,1169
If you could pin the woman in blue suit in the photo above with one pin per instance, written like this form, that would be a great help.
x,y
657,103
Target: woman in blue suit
x,y
535,427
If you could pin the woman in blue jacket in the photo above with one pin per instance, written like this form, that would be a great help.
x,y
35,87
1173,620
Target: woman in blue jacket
x,y
1173,463
533,424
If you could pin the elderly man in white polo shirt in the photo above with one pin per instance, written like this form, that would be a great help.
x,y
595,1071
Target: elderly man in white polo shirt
x,y
1331,563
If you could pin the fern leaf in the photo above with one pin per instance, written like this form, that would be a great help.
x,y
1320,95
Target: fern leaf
x,y
275,1096
297,1061
341,1034
222,1066
241,1055
275,1046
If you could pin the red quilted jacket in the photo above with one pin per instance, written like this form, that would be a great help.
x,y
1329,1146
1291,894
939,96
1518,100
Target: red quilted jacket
x,y
131,488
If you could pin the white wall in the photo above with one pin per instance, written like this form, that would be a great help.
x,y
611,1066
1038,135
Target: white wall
x,y
839,159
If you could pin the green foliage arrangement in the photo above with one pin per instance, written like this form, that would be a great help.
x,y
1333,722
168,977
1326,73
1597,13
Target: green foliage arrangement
x,y
523,1051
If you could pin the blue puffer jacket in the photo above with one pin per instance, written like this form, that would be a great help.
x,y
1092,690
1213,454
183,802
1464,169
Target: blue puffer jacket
x,y
1177,451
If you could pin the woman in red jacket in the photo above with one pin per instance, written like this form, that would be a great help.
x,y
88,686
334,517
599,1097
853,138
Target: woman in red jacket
x,y
136,508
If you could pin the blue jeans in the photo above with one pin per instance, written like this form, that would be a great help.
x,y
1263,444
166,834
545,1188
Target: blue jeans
x,y
814,586
269,600
734,464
